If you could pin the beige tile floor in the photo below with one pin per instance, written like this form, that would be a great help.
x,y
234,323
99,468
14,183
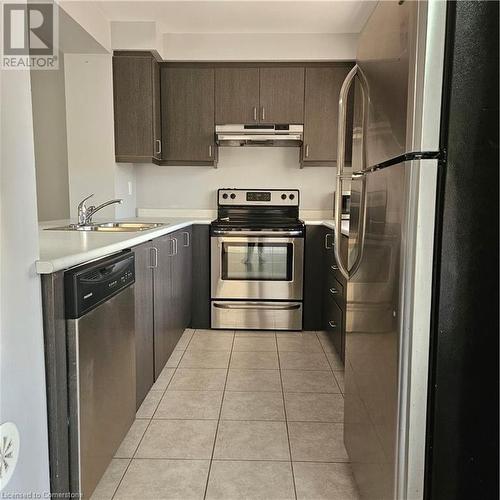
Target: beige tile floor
x,y
238,415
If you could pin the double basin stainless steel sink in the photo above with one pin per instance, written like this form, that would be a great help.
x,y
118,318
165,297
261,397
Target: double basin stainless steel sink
x,y
110,227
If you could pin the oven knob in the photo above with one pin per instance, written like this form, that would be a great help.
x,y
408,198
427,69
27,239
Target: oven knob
x,y
233,196
283,196
292,196
224,196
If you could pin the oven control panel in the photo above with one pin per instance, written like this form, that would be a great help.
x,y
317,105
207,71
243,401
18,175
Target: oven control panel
x,y
248,197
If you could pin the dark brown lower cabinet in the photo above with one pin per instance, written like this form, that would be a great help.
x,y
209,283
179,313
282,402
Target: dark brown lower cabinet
x,y
185,253
181,280
325,287
313,278
144,326
172,293
200,301
334,292
163,302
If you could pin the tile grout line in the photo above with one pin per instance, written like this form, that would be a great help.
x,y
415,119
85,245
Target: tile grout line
x,y
160,459
286,421
218,420
330,365
249,419
149,421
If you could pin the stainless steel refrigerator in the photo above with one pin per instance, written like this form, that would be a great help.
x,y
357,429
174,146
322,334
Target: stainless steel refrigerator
x,y
397,85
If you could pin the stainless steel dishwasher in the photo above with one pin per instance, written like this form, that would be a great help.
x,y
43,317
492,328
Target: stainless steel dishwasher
x,y
100,319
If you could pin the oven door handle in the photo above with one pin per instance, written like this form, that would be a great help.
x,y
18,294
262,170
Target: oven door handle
x,y
223,232
288,307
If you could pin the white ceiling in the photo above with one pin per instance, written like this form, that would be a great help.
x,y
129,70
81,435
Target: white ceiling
x,y
251,16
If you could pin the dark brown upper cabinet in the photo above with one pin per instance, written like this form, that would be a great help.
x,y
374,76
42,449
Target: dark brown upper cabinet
x,y
136,99
322,89
236,95
188,115
281,95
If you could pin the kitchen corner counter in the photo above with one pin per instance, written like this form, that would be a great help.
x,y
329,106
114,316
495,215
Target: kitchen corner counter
x,y
64,249
329,223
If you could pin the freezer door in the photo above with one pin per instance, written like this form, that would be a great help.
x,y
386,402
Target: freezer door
x,y
373,333
386,51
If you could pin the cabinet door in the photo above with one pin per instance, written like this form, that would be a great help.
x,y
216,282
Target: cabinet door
x,y
236,95
185,250
334,316
157,140
133,108
281,95
188,114
322,89
313,277
176,323
144,333
200,303
163,302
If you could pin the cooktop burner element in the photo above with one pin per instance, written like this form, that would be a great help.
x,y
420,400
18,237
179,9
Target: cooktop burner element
x,y
258,210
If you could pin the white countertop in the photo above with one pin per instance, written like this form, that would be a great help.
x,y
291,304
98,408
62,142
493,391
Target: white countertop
x,y
64,249
330,224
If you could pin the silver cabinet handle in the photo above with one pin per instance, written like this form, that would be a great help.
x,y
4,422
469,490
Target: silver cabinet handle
x,y
153,253
334,291
307,151
210,151
255,113
187,238
332,324
172,247
263,113
158,147
175,246
327,246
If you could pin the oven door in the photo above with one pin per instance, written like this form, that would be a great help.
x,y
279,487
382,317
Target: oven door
x,y
257,267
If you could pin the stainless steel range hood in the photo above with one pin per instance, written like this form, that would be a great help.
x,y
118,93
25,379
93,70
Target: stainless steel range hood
x,y
259,135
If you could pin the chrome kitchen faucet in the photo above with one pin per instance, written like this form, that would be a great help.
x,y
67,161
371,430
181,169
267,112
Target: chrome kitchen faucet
x,y
85,213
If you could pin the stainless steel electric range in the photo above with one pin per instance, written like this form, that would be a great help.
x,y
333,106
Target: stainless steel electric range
x,y
257,260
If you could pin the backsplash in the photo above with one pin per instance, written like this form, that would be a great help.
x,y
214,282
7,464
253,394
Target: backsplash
x,y
249,167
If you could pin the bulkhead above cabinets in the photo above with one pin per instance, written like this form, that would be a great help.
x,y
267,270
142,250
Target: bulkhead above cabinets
x,y
166,112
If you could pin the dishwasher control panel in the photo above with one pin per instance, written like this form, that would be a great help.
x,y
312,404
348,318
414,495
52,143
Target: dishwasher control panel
x,y
90,285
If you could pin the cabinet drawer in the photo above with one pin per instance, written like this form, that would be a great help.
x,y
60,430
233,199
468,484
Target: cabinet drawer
x,y
334,325
335,271
334,316
336,290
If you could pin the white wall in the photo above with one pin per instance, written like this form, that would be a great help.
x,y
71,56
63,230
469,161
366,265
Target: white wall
x,y
90,17
89,117
22,370
141,35
125,188
195,187
51,152
259,47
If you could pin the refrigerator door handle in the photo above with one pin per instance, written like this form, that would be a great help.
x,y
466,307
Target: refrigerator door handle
x,y
344,93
